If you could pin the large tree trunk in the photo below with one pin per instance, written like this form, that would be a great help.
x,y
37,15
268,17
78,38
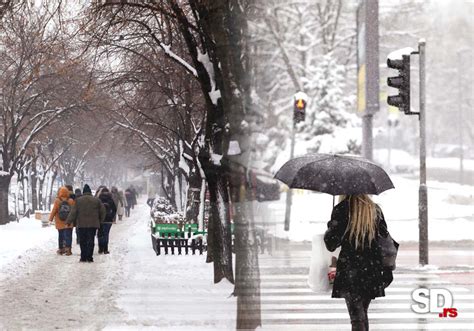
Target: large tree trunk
x,y
228,26
219,230
4,186
247,273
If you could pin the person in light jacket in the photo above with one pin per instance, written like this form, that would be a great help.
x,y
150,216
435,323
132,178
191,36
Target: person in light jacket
x,y
360,276
118,200
87,215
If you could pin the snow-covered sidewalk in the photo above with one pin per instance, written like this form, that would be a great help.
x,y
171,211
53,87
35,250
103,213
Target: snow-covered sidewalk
x,y
131,288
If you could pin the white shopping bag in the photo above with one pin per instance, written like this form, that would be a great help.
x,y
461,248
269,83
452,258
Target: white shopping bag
x,y
319,267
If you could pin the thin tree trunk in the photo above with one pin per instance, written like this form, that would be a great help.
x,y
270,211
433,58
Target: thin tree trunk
x,y
26,203
50,195
4,186
34,183
193,200
202,205
40,192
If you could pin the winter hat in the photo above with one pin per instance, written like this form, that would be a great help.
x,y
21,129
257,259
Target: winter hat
x,y
86,189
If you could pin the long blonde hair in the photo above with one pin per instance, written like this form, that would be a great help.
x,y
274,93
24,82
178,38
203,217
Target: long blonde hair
x,y
362,215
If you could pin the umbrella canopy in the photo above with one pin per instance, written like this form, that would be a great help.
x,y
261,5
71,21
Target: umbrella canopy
x,y
334,174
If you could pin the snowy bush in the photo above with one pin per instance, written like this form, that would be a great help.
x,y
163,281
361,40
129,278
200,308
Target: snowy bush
x,y
163,211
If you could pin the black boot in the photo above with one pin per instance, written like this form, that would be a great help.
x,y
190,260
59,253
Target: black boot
x,y
101,250
106,249
358,326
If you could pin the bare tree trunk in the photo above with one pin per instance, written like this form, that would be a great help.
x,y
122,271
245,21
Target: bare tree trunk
x,y
26,204
193,197
34,183
4,186
50,194
219,239
247,273
40,192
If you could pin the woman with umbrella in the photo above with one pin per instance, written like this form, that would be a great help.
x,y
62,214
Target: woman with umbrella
x,y
360,275
356,225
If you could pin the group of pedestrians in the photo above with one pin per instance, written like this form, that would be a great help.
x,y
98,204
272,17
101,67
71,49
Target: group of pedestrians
x,y
91,215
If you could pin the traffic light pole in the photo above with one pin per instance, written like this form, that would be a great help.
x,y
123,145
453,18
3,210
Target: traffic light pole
x,y
289,194
423,191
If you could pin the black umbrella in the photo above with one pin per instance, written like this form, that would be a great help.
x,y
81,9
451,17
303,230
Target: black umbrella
x,y
334,174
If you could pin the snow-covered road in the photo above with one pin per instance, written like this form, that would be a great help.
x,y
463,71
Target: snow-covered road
x,y
131,288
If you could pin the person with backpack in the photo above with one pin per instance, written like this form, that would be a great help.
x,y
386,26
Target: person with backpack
x,y
60,212
87,215
110,211
356,225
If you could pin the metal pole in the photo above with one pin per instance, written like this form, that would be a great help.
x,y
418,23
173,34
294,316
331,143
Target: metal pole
x,y
289,194
372,74
423,192
367,141
460,121
389,156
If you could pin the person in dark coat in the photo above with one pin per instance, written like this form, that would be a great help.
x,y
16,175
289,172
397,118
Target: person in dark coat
x,y
71,192
110,211
360,276
86,215
134,195
129,201
77,194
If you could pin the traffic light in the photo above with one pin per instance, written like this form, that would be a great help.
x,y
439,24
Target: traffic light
x,y
401,82
300,110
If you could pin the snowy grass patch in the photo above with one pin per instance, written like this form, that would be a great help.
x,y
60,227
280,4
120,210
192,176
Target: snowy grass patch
x,y
18,238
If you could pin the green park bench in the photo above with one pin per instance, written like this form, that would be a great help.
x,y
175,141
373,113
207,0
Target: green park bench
x,y
180,238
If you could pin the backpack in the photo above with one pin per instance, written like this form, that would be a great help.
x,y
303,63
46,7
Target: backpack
x,y
64,210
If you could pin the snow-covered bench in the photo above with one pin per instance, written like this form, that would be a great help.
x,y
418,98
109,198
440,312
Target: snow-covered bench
x,y
180,238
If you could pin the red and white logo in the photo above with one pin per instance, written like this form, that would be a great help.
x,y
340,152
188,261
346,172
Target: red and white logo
x,y
435,300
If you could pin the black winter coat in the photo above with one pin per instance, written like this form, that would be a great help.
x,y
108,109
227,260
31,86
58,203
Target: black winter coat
x,y
358,273
110,207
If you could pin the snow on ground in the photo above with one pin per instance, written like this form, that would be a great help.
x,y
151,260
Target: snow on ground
x,y
170,291
17,239
450,212
129,289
